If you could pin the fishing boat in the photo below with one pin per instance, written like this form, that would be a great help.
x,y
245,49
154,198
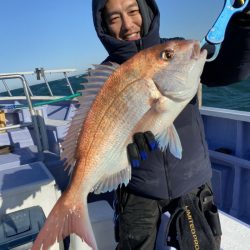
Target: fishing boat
x,y
32,177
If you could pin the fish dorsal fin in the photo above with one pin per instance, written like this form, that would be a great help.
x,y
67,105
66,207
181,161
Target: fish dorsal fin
x,y
111,182
95,80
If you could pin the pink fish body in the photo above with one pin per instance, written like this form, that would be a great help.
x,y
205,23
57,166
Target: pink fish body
x,y
145,93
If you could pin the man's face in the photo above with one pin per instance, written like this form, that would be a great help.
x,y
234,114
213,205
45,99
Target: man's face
x,y
123,19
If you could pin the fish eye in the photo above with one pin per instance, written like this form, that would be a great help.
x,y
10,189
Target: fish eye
x,y
167,54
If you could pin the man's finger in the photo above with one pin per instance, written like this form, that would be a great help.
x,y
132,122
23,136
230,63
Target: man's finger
x,y
133,155
150,139
141,143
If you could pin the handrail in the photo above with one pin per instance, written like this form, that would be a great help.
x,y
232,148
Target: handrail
x,y
32,111
28,85
45,71
6,87
68,82
57,100
16,126
41,73
36,117
38,104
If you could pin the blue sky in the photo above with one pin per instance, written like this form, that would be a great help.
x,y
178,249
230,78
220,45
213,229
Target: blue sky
x,y
60,34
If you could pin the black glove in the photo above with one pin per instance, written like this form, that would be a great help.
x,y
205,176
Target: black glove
x,y
139,149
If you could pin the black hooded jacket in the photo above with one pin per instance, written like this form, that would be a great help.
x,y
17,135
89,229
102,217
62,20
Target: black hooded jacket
x,y
162,175
120,51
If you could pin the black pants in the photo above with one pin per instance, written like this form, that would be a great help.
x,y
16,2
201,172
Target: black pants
x,y
138,220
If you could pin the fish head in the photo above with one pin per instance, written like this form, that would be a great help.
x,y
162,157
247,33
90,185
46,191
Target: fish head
x,y
176,68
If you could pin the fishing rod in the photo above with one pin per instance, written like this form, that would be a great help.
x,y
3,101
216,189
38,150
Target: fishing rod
x,y
216,34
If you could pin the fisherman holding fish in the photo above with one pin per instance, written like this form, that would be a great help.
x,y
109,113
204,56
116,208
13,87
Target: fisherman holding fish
x,y
160,181
138,130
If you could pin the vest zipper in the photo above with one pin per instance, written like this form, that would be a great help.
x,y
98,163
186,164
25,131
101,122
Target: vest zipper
x,y
166,173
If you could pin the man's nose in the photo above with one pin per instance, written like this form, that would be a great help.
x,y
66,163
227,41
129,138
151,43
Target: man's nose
x,y
126,22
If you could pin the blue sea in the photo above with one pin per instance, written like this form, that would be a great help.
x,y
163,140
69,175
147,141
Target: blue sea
x,y
235,96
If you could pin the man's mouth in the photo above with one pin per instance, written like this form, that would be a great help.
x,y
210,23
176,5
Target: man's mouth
x,y
132,36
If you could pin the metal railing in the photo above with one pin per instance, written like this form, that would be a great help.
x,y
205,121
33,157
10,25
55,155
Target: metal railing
x,y
31,109
39,73
37,120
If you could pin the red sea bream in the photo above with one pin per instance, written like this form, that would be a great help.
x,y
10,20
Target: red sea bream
x,y
147,92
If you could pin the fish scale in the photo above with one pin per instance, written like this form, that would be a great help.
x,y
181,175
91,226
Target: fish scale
x,y
111,127
104,118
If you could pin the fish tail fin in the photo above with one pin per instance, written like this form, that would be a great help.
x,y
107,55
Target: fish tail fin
x,y
66,217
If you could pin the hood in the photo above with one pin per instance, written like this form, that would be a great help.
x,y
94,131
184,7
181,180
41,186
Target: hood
x,y
120,51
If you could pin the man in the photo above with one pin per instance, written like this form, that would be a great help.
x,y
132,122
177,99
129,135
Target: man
x,y
161,182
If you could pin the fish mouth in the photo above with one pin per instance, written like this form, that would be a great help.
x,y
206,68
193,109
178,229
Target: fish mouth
x,y
198,52
203,54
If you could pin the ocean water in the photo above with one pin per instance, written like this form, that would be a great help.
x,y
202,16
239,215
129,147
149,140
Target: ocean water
x,y
235,96
58,87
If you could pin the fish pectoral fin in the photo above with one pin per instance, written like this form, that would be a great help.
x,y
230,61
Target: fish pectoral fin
x,y
170,138
174,142
111,182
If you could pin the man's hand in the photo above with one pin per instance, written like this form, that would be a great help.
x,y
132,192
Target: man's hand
x,y
142,144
